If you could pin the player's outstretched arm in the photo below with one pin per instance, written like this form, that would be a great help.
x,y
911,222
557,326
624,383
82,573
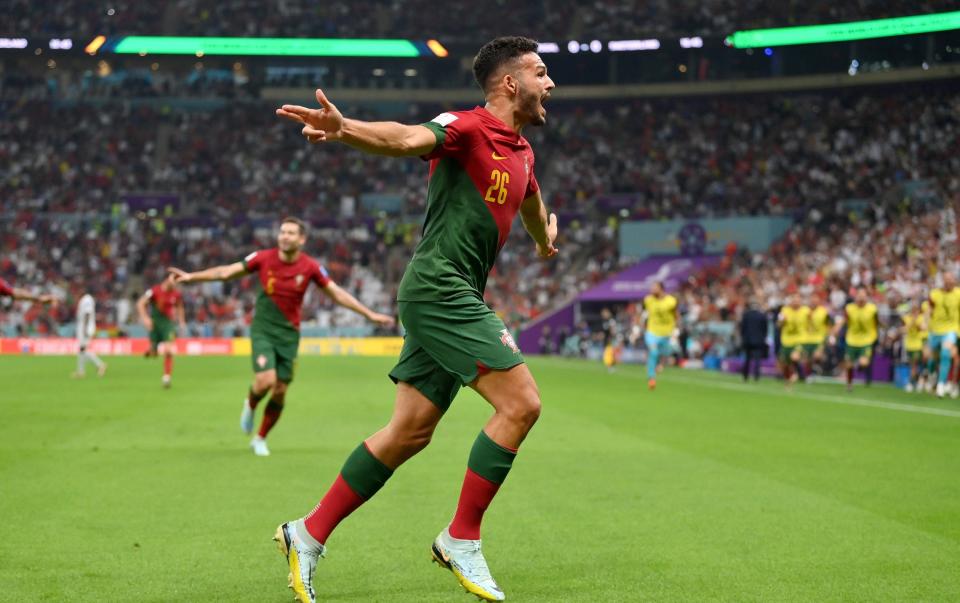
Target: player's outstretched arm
x,y
343,298
217,273
541,227
24,295
380,138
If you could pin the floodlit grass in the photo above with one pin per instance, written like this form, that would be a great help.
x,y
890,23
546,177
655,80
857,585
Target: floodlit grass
x,y
705,490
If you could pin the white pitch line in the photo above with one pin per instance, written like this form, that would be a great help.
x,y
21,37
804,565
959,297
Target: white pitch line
x,y
927,410
690,376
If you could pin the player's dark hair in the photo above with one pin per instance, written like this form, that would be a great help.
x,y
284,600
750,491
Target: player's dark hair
x,y
498,52
300,224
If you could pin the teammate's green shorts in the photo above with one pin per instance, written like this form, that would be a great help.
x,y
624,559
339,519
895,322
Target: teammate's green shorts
x,y
786,351
163,331
856,352
270,353
809,349
914,356
449,344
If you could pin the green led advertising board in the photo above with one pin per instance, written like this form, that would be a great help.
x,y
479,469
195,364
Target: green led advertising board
x,y
302,47
845,32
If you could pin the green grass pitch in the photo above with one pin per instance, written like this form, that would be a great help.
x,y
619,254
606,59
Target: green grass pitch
x,y
705,490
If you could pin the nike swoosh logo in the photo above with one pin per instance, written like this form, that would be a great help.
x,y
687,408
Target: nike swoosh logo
x,y
497,157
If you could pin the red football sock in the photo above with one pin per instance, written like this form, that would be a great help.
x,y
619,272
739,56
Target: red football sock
x,y
475,497
168,365
253,398
271,414
339,501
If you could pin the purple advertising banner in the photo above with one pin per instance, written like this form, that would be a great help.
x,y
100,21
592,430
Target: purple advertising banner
x,y
636,281
530,335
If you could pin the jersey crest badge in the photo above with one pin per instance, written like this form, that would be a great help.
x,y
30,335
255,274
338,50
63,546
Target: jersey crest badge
x,y
299,279
507,339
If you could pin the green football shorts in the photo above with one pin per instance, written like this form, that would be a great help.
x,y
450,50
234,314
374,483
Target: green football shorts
x,y
449,344
786,351
269,354
914,355
163,331
856,352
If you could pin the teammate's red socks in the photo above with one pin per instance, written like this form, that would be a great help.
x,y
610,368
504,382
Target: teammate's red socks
x,y
361,477
487,468
167,365
271,414
254,398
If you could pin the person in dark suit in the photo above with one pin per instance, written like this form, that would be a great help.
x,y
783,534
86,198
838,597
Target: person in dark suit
x,y
753,335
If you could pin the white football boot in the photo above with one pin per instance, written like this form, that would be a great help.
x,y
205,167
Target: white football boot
x,y
259,446
302,553
465,559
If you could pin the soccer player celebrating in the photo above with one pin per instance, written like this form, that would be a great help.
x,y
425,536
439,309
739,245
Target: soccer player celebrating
x,y
166,306
944,324
86,329
860,317
481,176
914,331
660,313
285,273
793,322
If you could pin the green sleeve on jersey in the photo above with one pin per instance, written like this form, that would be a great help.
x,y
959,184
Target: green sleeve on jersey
x,y
439,131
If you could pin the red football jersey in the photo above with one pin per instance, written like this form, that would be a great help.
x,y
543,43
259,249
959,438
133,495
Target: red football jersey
x,y
5,288
165,302
284,283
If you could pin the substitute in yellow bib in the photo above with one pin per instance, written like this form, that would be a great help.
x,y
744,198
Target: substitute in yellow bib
x,y
660,314
944,321
914,331
860,317
818,329
794,322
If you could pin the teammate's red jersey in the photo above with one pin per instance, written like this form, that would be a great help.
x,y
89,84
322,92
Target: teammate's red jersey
x,y
165,302
284,284
6,290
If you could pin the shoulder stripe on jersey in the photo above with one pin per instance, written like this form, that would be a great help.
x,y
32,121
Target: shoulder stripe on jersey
x,y
445,119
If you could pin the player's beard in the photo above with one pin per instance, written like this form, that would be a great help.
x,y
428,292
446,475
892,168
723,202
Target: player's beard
x,y
530,106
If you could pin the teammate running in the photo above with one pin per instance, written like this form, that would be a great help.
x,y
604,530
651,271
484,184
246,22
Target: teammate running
x,y
660,315
944,323
86,329
166,306
285,274
914,332
860,316
481,175
793,322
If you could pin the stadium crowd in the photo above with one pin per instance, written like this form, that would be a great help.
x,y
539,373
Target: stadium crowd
x,y
67,169
419,19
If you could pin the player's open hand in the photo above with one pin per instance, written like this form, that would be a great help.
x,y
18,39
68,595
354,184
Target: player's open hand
x,y
319,125
383,320
180,276
548,250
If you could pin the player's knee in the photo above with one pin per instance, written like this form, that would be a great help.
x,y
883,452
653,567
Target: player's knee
x,y
412,440
262,382
525,406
